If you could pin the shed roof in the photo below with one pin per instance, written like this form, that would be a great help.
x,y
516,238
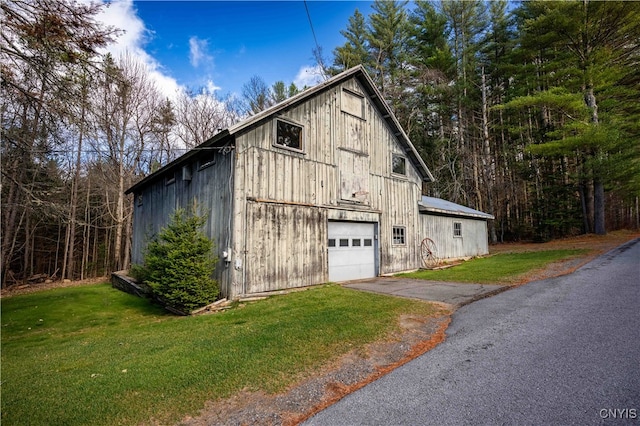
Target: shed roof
x,y
444,207
358,72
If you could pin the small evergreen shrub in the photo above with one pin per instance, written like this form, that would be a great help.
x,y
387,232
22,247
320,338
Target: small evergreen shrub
x,y
179,263
138,272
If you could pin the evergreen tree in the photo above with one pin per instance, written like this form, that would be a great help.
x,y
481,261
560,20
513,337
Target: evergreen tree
x,y
432,71
387,37
590,59
179,264
355,51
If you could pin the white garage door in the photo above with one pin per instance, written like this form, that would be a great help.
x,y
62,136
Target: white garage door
x,y
351,251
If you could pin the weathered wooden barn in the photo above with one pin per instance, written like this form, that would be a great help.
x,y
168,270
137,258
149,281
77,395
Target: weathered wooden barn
x,y
325,186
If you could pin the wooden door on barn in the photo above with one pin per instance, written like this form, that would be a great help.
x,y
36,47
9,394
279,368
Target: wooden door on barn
x,y
285,246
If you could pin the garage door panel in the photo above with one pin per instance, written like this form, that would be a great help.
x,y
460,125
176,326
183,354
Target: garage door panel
x,y
351,251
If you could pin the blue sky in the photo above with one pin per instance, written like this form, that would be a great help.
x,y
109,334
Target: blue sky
x,y
222,44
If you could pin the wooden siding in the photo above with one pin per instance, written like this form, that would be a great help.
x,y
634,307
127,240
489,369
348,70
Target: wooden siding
x,y
346,164
209,188
286,246
270,205
473,241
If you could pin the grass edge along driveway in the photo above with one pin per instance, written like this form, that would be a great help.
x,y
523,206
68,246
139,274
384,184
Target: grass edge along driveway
x,y
95,355
502,268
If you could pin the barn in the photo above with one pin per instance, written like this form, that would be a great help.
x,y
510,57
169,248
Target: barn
x,y
325,186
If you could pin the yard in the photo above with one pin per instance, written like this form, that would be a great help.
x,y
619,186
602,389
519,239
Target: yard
x,y
94,355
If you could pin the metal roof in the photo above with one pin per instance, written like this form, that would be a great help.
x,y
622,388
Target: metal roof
x,y
357,72
448,208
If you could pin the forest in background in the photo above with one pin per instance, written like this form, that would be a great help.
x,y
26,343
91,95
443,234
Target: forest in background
x,y
527,111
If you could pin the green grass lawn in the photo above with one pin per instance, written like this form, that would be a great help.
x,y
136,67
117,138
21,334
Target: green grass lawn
x,y
504,268
95,355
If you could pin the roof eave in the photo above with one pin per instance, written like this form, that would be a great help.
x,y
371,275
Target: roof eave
x,y
424,209
215,140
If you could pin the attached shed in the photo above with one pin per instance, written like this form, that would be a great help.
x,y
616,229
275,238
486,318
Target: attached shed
x,y
325,186
457,231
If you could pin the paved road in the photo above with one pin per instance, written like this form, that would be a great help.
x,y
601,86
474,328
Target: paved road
x,y
559,351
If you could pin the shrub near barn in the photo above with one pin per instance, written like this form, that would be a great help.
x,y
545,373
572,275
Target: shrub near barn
x,y
179,263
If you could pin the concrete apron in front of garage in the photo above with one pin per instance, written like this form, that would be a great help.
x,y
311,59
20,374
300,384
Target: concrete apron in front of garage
x,y
452,294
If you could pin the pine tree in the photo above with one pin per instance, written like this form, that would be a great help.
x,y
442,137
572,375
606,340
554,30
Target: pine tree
x,y
179,263
355,51
387,37
591,57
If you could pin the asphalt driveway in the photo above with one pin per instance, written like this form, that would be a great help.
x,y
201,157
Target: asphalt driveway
x,y
452,294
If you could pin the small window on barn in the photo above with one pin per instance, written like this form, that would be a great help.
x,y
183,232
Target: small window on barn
x,y
399,235
207,159
457,229
169,179
288,135
399,164
332,242
344,242
186,173
368,242
139,199
355,242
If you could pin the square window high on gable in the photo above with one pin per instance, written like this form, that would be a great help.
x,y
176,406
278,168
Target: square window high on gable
x,y
288,135
399,166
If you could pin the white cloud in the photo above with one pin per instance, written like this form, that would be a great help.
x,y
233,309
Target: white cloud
x,y
211,87
198,52
308,76
121,14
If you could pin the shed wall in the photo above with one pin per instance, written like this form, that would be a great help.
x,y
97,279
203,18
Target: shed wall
x,y
473,241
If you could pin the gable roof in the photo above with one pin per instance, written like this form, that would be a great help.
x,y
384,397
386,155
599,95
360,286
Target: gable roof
x,y
448,208
224,137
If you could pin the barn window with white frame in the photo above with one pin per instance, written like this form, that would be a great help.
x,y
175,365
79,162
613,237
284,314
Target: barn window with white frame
x,y
457,229
398,237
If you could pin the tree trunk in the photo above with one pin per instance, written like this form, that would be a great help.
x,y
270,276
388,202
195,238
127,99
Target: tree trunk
x,y
598,213
585,212
487,160
73,205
